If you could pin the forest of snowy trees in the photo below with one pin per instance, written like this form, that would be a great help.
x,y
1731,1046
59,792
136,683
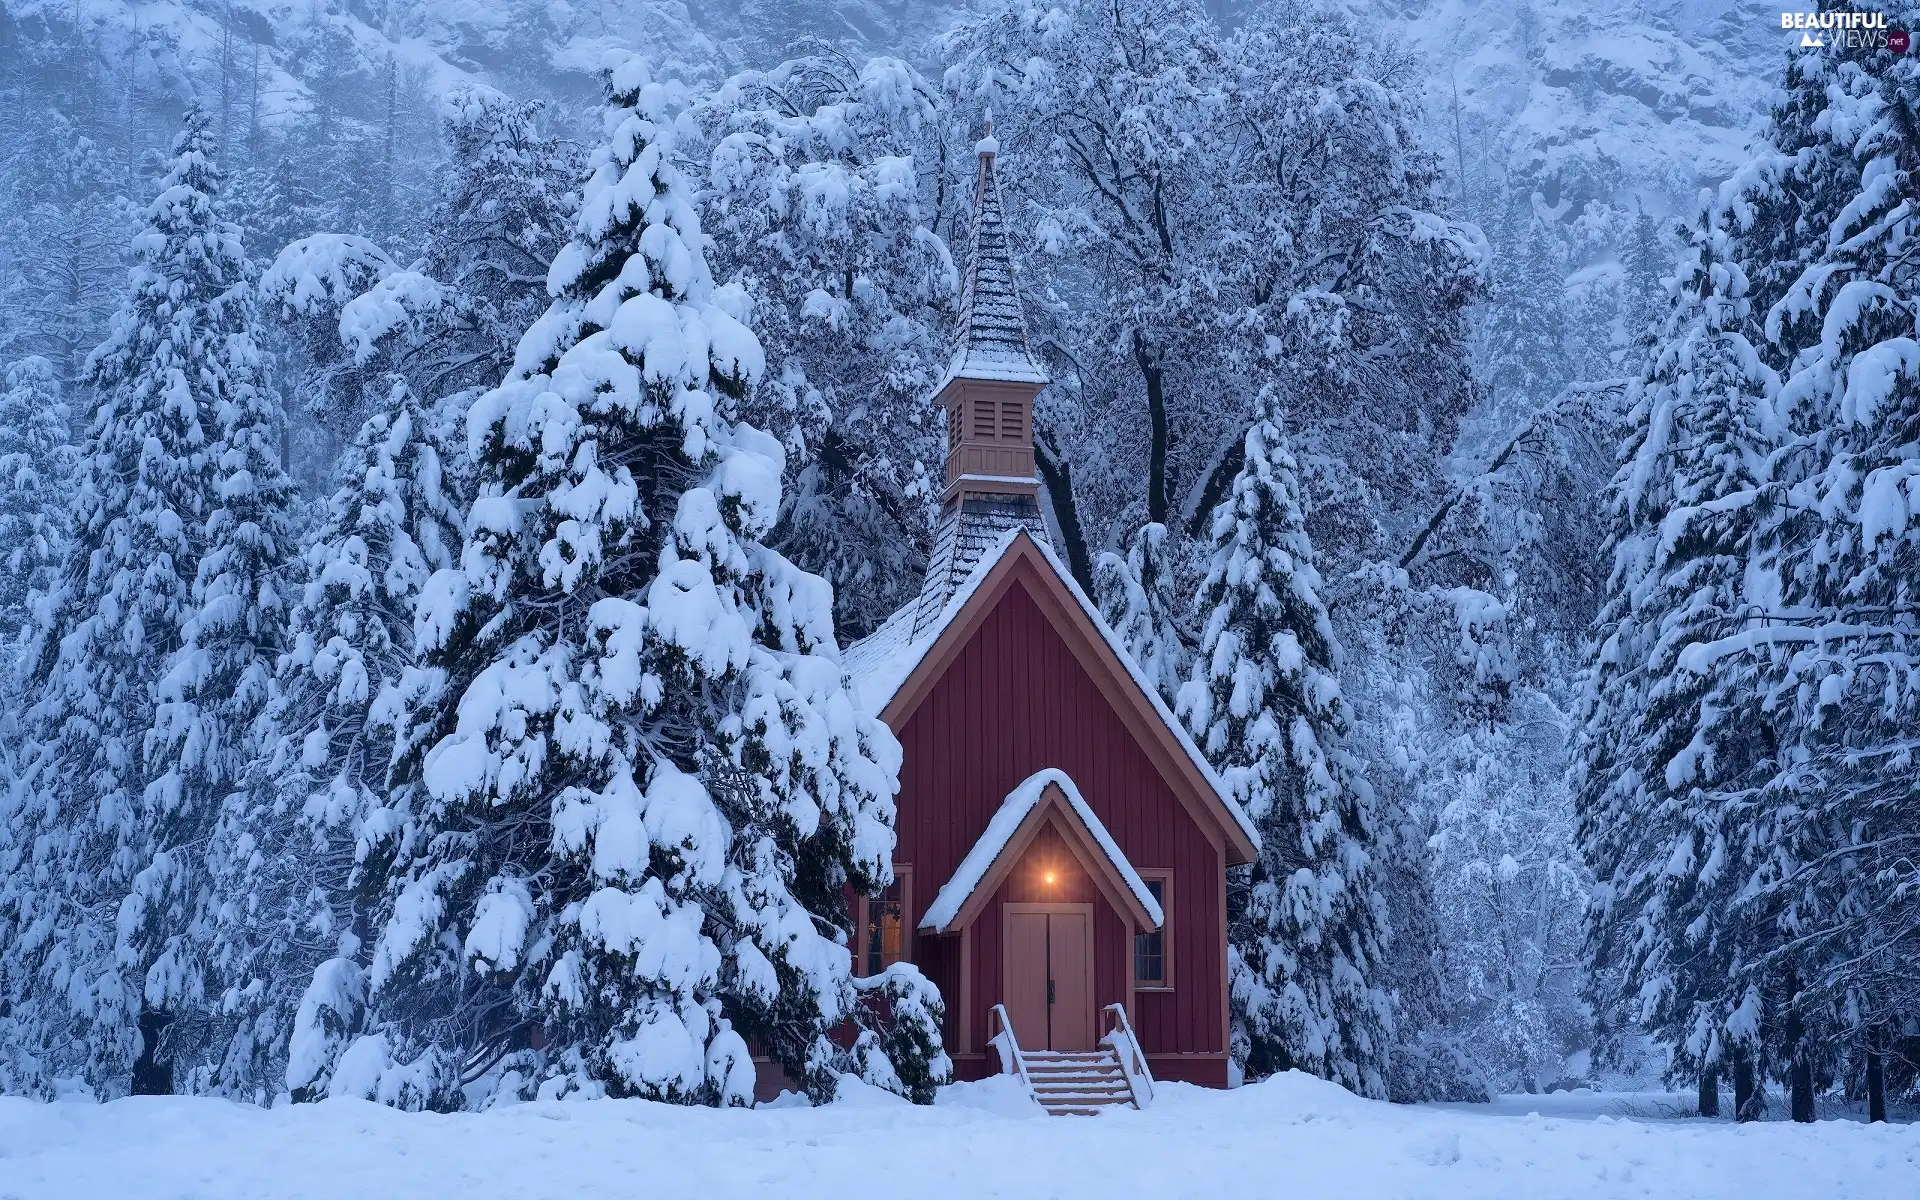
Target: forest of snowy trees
x,y
433,517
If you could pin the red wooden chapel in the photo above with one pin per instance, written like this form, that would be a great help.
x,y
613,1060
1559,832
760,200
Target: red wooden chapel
x,y
1063,846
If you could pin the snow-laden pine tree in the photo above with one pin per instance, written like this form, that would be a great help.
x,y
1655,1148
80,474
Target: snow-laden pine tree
x,y
1264,703
145,668
1832,843
211,727
276,203
504,206
37,462
353,678
1645,263
1787,197
1137,599
448,322
645,794
821,196
1527,336
343,686
393,522
1674,729
65,238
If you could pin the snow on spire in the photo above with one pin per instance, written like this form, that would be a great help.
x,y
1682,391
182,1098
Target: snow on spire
x,y
990,340
988,145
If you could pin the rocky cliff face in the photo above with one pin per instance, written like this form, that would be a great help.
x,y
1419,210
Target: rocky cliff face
x,y
1632,103
1577,99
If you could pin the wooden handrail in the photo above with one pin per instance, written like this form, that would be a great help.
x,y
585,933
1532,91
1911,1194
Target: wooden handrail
x,y
1133,1060
1011,1062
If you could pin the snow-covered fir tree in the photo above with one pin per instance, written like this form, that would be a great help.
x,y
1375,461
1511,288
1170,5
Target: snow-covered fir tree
x,y
504,206
146,667
69,223
822,196
394,521
37,462
647,790
1645,263
1509,893
354,317
1674,733
1527,352
344,685
353,680
1788,196
213,724
276,204
1475,851
1264,703
1829,856
1137,599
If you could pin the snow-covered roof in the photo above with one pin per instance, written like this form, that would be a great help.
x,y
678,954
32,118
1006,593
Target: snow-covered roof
x,y
1006,822
969,531
970,363
880,664
991,339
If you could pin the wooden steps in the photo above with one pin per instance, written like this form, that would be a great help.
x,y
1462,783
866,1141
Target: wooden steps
x,y
1077,1083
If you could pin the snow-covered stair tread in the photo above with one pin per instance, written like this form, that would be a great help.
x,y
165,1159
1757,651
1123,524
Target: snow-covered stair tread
x,y
1077,1083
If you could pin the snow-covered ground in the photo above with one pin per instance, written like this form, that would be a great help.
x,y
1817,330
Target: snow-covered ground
x,y
1291,1136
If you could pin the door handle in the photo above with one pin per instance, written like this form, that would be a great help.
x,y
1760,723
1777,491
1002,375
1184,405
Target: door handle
x,y
1049,991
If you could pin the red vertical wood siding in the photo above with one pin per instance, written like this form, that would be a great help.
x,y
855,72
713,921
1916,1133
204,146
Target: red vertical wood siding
x,y
1014,701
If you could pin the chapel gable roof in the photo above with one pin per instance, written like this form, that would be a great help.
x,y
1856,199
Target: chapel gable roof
x,y
893,670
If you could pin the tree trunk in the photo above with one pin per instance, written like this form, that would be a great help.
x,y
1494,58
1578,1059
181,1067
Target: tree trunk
x,y
152,1076
1212,487
1749,1101
1057,475
1876,1081
1800,1068
1802,1090
226,84
1150,370
1709,1092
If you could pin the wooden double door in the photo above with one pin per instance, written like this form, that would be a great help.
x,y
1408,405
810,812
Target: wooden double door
x,y
1048,975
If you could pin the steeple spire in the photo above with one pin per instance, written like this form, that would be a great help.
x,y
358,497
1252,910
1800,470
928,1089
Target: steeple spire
x,y
987,392
990,340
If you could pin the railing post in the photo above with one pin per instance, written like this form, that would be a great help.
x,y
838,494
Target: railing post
x,y
1011,1061
1133,1060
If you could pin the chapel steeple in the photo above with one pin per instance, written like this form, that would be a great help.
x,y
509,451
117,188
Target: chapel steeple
x,y
992,375
987,393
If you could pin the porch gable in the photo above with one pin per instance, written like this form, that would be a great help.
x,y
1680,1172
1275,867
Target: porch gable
x,y
1047,797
